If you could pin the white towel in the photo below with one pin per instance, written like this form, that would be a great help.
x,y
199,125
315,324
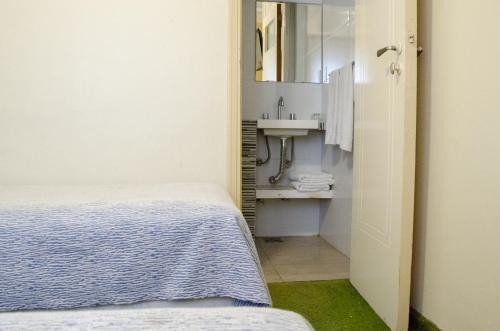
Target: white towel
x,y
340,111
301,187
321,182
318,181
299,176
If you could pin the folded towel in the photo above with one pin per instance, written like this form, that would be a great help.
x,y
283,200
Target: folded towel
x,y
317,181
310,187
309,176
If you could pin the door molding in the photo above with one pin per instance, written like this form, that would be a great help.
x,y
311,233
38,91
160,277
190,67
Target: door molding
x,y
234,99
384,157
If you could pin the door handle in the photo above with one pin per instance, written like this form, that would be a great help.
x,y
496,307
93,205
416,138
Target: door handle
x,y
381,51
395,69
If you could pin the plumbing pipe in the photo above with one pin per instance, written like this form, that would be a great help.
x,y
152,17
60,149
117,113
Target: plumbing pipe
x,y
261,162
289,163
274,179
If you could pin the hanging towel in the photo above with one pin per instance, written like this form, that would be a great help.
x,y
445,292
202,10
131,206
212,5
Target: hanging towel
x,y
299,176
301,187
340,111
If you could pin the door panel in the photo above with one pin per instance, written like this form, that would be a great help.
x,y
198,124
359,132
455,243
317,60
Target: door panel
x,y
384,161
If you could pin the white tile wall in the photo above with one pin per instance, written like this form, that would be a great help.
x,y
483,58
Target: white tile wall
x,y
276,218
336,215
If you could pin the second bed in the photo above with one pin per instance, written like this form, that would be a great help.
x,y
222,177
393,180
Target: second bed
x,y
94,246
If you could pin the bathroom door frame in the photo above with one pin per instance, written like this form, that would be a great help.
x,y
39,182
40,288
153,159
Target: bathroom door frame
x,y
235,32
407,161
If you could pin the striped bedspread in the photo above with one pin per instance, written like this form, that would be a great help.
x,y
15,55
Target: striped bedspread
x,y
122,245
212,319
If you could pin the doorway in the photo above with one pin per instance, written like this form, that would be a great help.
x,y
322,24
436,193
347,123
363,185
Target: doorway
x,y
384,148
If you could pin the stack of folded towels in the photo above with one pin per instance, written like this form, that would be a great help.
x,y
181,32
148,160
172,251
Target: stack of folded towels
x,y
310,181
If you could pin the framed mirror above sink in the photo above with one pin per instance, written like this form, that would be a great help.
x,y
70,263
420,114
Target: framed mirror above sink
x,y
302,41
288,45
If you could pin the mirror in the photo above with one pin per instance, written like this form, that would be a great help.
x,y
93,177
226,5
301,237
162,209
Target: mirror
x,y
338,35
288,42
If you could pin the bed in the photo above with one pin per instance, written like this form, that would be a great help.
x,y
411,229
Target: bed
x,y
215,319
94,246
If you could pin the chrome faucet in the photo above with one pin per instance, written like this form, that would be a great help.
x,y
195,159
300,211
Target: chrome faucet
x,y
281,107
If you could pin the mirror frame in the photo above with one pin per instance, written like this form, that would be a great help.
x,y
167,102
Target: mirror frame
x,y
302,2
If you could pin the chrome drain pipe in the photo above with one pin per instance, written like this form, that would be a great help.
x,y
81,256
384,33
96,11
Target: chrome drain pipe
x,y
289,163
283,162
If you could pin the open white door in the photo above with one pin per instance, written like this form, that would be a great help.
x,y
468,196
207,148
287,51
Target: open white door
x,y
384,156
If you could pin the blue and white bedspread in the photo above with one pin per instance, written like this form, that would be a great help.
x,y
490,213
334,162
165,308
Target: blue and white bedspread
x,y
66,247
212,319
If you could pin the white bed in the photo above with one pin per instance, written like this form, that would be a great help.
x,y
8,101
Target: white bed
x,y
214,319
126,246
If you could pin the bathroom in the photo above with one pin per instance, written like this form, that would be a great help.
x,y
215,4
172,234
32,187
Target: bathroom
x,y
300,235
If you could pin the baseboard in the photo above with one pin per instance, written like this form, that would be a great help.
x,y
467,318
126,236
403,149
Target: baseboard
x,y
419,323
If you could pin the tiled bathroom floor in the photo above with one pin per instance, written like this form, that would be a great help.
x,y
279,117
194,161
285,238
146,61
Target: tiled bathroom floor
x,y
301,259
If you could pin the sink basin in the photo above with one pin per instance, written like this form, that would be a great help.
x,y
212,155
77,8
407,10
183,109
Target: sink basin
x,y
287,128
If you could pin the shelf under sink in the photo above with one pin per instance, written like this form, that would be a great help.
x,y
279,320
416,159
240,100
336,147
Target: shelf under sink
x,y
286,192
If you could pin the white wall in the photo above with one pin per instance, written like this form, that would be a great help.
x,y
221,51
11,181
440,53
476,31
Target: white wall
x,y
456,268
336,215
277,218
95,91
338,30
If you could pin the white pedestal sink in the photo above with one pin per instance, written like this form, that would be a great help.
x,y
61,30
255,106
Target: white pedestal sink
x,y
287,128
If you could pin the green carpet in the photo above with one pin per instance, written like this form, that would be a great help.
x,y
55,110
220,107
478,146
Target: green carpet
x,y
335,305
327,305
